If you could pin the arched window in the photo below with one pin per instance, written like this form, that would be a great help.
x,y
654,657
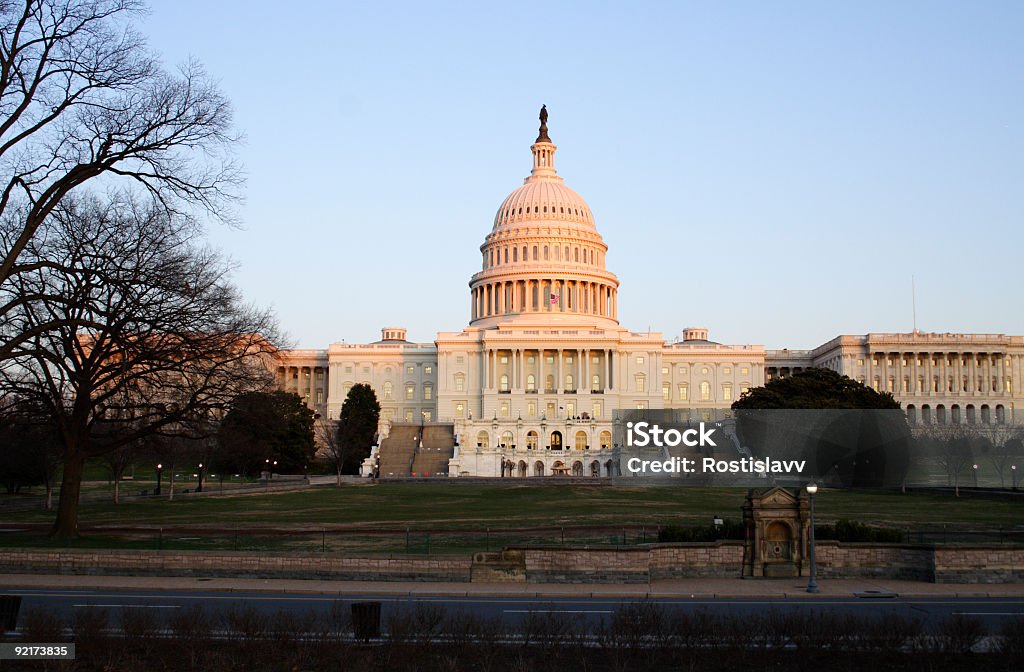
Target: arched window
x,y
531,382
410,391
595,382
507,439
388,393
535,253
526,257
531,440
545,253
570,384
515,254
705,391
549,384
581,441
606,440
482,439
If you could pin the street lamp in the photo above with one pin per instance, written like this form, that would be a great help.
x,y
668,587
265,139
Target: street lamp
x,y
159,473
812,584
975,467
199,488
1013,475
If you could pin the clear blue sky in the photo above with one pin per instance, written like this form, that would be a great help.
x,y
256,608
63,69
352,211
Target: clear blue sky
x,y
773,171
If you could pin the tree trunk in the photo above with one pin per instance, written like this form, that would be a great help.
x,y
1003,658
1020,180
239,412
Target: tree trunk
x,y
117,490
66,524
339,473
49,495
170,485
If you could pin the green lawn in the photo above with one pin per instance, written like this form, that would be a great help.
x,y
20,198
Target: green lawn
x,y
501,505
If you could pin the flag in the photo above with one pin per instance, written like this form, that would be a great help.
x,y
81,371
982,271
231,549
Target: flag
x,y
554,298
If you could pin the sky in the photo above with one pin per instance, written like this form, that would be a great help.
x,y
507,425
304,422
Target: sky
x,y
777,172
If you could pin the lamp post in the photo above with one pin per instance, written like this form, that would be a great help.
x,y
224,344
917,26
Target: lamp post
x,y
812,584
199,488
159,474
975,469
1013,476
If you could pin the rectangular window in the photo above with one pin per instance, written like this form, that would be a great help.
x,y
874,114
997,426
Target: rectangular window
x,y
504,409
597,410
727,392
727,369
570,409
408,415
641,405
684,393
460,409
745,371
348,369
428,370
460,384
428,392
664,370
531,409
319,396
388,414
666,391
639,360
426,416
640,383
460,359
410,392
410,369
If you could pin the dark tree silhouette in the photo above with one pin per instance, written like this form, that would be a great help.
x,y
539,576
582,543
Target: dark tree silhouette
x,y
263,426
129,326
815,388
357,425
82,97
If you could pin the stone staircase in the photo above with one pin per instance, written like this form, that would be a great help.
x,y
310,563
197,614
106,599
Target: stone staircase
x,y
438,448
401,454
397,451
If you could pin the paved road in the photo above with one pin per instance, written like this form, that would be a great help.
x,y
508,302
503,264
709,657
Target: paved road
x,y
993,612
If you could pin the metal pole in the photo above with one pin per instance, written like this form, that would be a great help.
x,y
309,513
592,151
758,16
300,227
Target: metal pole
x,y
812,584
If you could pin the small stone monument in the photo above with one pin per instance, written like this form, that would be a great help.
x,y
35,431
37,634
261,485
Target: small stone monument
x,y
776,523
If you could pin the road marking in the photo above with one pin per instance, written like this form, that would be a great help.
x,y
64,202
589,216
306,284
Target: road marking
x,y
130,606
987,613
557,611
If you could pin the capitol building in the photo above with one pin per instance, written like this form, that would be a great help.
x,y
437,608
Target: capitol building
x,y
528,387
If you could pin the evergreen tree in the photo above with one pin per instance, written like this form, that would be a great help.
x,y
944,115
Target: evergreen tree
x,y
357,426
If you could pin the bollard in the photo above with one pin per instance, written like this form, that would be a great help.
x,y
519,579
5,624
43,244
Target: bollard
x,y
9,607
366,620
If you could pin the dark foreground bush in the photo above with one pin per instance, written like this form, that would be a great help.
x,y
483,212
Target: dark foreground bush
x,y
426,637
852,531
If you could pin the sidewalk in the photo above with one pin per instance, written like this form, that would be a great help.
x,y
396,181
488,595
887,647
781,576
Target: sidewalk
x,y
697,589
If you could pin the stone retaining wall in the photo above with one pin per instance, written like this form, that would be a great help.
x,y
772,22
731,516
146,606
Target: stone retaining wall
x,y
540,564
241,565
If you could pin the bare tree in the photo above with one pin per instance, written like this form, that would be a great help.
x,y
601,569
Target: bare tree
x,y
1005,440
134,327
950,447
81,97
327,439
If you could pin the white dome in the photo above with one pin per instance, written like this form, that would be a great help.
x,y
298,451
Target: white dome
x,y
544,260
543,200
